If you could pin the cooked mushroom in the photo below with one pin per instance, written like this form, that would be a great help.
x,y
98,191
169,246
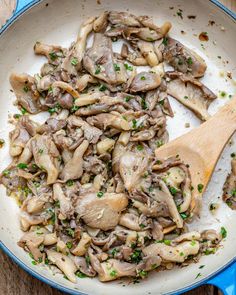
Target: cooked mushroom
x,y
64,263
173,253
145,81
74,168
182,58
101,210
99,61
123,18
191,93
46,156
82,246
66,208
113,269
147,51
132,167
100,22
113,119
27,97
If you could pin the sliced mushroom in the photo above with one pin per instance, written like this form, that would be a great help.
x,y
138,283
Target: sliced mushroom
x,y
66,208
132,167
100,22
123,18
191,93
130,221
173,253
147,50
91,133
27,97
73,60
164,195
190,236
83,82
74,168
84,267
105,145
82,246
52,52
100,210
66,87
145,81
32,241
148,263
113,119
99,61
183,59
46,156
64,263
114,269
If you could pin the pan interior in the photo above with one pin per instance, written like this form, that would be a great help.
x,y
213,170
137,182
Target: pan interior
x,y
58,23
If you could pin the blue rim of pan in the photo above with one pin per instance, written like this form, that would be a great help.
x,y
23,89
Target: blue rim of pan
x,y
77,292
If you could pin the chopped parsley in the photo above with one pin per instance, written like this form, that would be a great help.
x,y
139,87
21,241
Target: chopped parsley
x,y
70,232
22,166
142,225
128,67
26,89
114,252
233,193
143,273
159,143
69,245
80,275
181,253
34,262
74,61
173,190
185,97
232,155
198,275
167,242
139,147
23,111
116,67
143,104
193,243
189,61
128,98
134,122
70,182
200,187
113,273
212,206
102,87
222,93
53,55
223,232
136,256
201,266
98,70
184,215
74,108
210,251
165,41
6,172
100,194
143,78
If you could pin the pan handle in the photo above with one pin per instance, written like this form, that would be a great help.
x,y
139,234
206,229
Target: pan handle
x,y
21,6
225,280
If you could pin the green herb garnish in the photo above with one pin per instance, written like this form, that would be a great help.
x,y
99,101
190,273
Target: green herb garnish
x,y
223,232
74,61
22,166
100,194
200,187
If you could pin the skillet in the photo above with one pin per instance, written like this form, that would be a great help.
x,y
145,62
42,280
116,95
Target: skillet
x,y
57,22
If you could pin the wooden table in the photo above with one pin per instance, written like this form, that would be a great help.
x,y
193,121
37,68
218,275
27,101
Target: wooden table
x,y
14,280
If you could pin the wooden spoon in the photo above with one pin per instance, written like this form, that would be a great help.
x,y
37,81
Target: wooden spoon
x,y
202,147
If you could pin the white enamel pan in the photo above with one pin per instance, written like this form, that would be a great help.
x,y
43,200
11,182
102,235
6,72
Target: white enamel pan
x,y
57,22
